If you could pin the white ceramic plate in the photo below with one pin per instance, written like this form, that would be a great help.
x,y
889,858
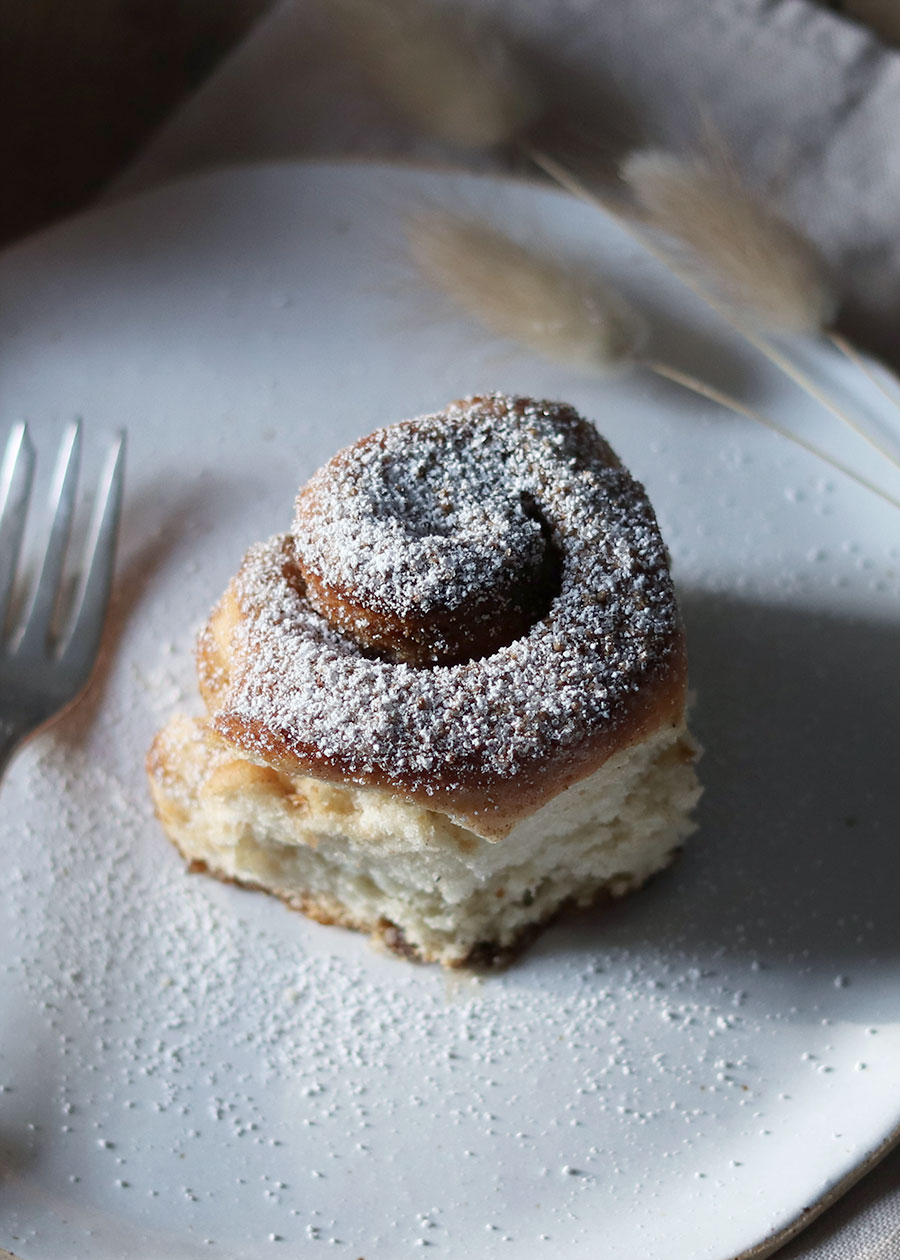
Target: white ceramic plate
x,y
191,1070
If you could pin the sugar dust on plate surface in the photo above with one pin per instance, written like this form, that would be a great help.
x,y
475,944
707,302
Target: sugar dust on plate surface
x,y
180,1021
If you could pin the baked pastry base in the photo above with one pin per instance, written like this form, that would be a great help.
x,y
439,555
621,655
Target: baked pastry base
x,y
420,884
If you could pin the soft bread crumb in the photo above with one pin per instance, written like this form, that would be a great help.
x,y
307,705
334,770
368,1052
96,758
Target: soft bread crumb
x,y
418,883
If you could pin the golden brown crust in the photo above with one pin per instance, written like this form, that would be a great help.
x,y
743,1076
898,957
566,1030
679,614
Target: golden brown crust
x,y
490,808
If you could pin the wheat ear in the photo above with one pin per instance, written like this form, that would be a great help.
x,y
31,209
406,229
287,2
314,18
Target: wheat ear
x,y
744,259
461,85
524,294
736,245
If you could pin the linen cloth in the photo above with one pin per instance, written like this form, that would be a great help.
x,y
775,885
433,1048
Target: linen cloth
x,y
809,101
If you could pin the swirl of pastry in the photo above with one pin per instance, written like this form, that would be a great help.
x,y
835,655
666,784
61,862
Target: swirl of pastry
x,y
425,542
474,610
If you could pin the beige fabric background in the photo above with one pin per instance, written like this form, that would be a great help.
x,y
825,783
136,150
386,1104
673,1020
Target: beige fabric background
x,y
809,101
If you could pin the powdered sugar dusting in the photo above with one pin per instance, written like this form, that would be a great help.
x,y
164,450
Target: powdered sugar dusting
x,y
608,633
432,513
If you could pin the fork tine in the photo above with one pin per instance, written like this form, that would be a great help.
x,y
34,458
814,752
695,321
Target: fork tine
x,y
62,498
84,638
16,476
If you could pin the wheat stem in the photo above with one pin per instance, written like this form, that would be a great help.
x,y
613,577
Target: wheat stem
x,y
890,392
696,386
806,382
563,176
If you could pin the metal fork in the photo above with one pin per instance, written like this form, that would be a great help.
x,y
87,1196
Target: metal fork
x,y
43,669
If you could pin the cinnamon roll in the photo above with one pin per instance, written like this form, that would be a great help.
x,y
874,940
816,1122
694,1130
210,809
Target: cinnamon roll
x,y
450,702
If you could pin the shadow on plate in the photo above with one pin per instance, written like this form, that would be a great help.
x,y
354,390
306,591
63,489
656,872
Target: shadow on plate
x,y
797,856
154,527
28,1104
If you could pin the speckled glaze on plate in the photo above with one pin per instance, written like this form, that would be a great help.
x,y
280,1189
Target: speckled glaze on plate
x,y
190,1070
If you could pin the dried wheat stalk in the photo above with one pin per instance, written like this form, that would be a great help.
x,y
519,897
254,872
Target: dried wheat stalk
x,y
743,258
457,82
531,298
523,294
